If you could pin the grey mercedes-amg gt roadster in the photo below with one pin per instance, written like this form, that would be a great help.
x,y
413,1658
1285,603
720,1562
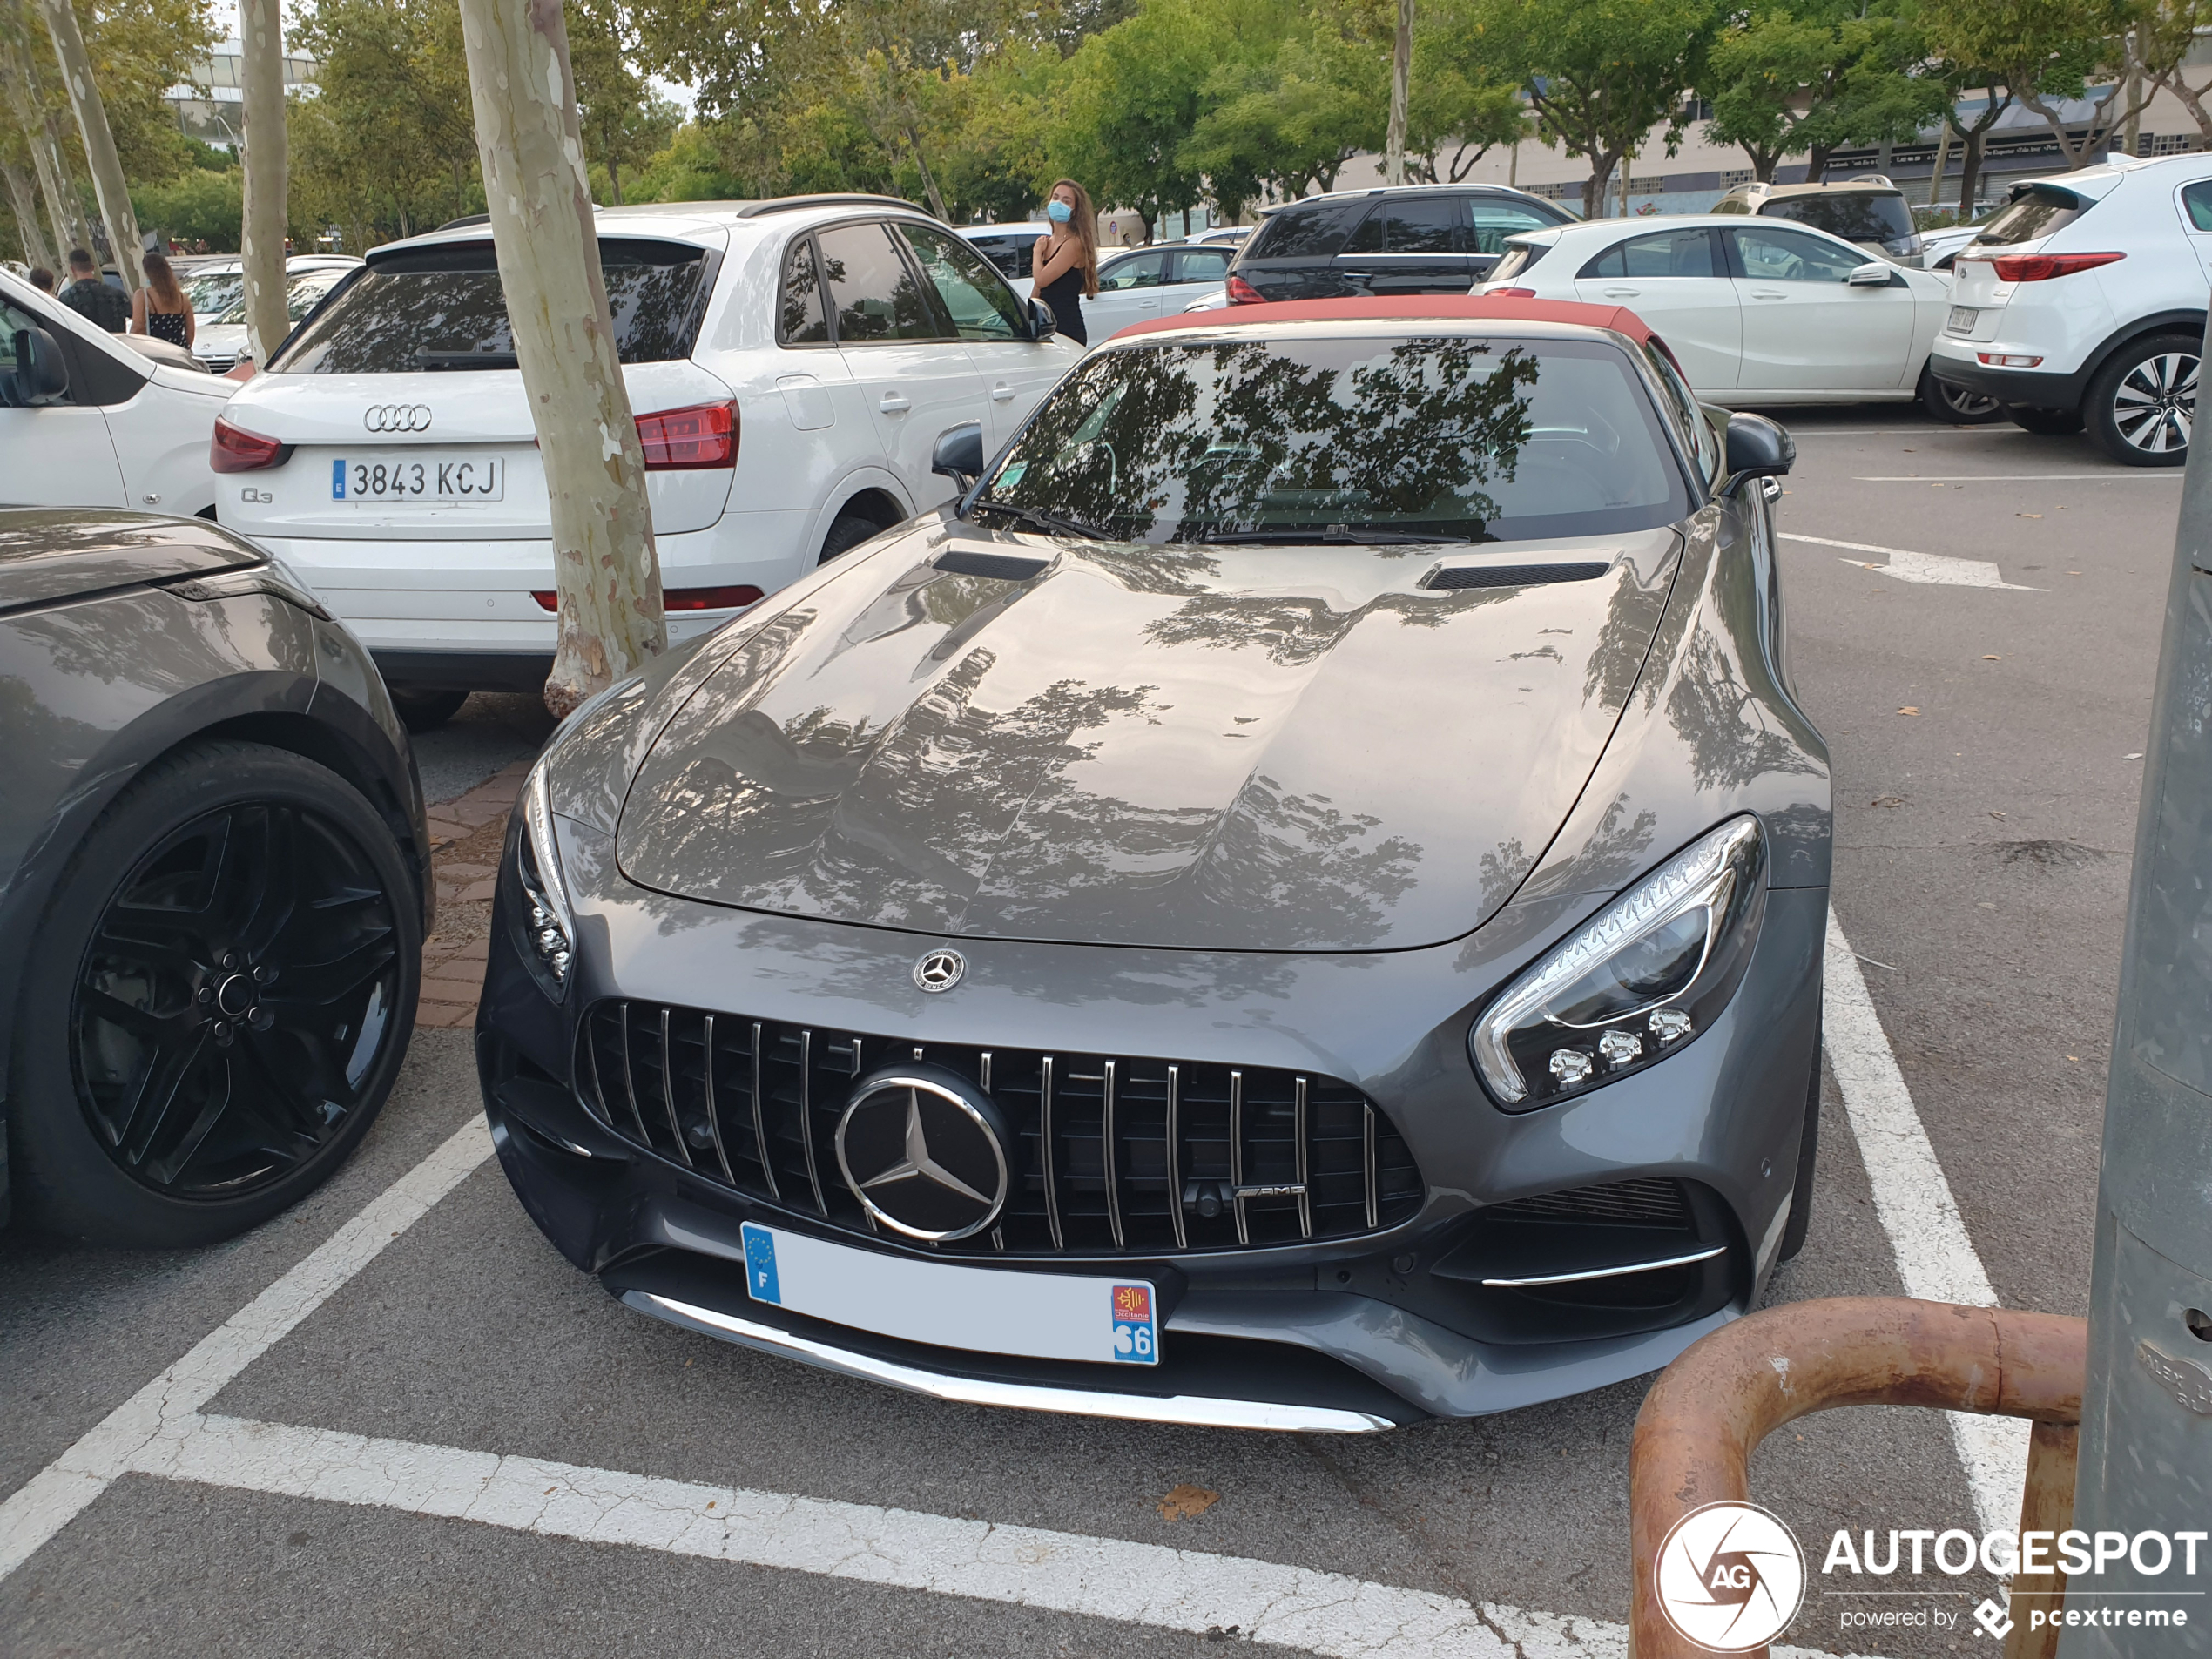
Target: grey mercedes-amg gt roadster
x,y
1295,901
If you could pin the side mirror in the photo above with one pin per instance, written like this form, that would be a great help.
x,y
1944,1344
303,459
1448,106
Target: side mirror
x,y
1043,324
1757,448
41,371
959,454
1875,274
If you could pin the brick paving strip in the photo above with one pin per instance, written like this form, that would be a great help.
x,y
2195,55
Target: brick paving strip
x,y
466,835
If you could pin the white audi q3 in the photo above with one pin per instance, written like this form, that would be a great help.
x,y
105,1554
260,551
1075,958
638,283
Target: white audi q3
x,y
791,364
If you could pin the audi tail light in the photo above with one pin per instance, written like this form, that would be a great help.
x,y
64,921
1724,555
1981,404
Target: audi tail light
x,y
1242,293
735,598
683,440
2041,267
234,449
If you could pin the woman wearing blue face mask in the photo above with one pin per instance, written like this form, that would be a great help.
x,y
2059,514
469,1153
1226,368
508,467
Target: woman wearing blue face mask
x,y
1065,264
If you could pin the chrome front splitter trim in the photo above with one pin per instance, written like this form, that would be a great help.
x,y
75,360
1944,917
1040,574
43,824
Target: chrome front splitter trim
x,y
1076,1402
1607,1272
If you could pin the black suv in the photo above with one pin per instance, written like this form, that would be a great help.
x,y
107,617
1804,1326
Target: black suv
x,y
1418,239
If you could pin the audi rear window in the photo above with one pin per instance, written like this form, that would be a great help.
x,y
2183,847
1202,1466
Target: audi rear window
x,y
1315,232
2036,212
1856,216
442,308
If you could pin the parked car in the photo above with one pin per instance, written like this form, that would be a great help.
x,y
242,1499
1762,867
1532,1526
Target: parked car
x,y
1146,283
791,364
91,419
1010,247
215,285
1417,238
2083,303
1868,210
1759,314
214,879
221,341
1229,234
1039,961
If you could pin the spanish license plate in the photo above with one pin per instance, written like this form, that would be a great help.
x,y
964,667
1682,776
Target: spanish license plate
x,y
1961,320
986,1310
427,478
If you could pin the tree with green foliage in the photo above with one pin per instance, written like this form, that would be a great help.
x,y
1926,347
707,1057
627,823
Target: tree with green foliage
x,y
2047,53
625,124
1133,97
1600,74
1808,81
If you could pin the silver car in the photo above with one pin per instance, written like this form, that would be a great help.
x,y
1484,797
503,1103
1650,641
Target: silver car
x,y
1296,902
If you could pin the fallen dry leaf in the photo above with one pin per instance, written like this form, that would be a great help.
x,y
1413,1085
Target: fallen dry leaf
x,y
1996,814
1987,658
2073,573
1908,709
1888,800
2027,515
1187,1501
2075,1058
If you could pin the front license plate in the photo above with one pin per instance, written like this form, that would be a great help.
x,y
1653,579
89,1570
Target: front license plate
x,y
986,1310
431,477
1961,320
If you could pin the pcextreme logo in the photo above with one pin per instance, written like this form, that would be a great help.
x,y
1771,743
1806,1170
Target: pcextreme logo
x,y
1730,1577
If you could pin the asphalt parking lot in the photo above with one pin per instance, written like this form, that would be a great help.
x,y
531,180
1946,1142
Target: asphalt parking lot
x,y
507,1462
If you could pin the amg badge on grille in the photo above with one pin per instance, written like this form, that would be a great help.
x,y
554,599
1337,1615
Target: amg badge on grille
x,y
924,1152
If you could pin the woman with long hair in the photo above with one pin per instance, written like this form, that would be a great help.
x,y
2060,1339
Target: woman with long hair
x,y
1065,264
162,309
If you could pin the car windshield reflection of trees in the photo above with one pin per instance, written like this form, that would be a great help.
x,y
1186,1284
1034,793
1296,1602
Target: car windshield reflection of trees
x,y
1469,439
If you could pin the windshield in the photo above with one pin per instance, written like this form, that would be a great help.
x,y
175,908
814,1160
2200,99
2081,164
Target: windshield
x,y
1856,216
1358,439
210,295
443,307
299,300
2036,212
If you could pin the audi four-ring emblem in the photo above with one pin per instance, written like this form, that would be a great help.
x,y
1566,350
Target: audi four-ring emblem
x,y
397,417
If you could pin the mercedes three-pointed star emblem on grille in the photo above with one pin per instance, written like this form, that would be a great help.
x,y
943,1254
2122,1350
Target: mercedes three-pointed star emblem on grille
x,y
924,1152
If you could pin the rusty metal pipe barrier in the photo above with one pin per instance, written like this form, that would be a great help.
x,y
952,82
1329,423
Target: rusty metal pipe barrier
x,y
1710,1409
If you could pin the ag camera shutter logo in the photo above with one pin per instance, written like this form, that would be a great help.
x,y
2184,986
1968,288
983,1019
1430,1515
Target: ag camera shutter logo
x,y
1729,1577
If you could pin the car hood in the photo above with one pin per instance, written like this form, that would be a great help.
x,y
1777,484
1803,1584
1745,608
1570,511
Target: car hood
x,y
1220,748
48,554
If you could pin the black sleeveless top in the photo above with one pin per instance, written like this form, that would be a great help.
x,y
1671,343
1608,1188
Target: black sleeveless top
x,y
1064,293
165,325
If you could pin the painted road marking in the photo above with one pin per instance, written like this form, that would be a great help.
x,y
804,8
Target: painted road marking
x,y
61,1491
1936,1259
1933,569
2143,473
1056,1572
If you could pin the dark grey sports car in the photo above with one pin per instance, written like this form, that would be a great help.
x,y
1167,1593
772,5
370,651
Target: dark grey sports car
x,y
214,880
1297,902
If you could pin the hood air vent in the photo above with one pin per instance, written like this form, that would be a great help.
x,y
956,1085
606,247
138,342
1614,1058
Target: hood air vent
x,y
1513,575
995,564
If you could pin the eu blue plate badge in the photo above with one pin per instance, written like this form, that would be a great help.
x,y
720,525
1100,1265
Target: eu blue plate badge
x,y
760,1264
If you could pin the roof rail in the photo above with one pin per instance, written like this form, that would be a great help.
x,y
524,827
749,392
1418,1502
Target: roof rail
x,y
464,224
787,204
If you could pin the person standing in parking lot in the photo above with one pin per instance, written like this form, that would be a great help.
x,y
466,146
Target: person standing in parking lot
x,y
162,309
1066,261
92,298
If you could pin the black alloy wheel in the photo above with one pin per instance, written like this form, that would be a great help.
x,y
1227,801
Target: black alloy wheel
x,y
230,1010
1955,404
2142,403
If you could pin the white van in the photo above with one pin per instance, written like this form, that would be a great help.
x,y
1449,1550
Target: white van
x,y
791,364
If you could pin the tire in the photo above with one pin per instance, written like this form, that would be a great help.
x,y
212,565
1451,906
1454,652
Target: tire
x,y
2045,423
1800,1222
2142,404
231,963
846,531
426,711
1955,404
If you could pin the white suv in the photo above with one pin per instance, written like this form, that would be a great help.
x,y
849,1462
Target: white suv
x,y
2082,301
791,364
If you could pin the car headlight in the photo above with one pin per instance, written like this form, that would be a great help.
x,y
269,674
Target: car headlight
x,y
1638,981
547,922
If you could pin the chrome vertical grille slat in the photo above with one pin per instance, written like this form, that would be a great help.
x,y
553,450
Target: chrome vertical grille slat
x,y
1114,1155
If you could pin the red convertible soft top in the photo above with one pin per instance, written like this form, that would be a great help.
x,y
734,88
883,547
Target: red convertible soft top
x,y
1452,307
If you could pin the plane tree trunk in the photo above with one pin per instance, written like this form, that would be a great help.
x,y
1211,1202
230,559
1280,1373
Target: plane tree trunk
x,y
266,163
23,201
1401,76
606,573
108,185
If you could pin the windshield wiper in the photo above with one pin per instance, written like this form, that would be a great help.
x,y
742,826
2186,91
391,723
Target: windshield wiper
x,y
1361,534
1050,524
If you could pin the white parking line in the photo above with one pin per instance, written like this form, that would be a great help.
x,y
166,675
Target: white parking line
x,y
1936,569
1057,1572
61,1491
1935,1258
